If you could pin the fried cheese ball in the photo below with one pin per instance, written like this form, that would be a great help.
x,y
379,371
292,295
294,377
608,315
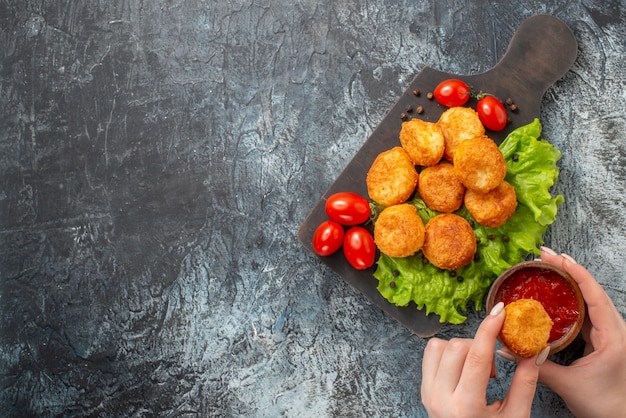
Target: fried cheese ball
x,y
399,231
479,164
458,124
392,178
440,188
449,241
423,141
494,208
526,327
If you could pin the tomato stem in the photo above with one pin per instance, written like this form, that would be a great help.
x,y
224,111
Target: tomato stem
x,y
481,95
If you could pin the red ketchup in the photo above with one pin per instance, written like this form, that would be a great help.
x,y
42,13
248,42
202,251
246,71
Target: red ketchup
x,y
554,293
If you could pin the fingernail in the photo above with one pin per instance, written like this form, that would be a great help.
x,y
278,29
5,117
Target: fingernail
x,y
548,250
569,258
542,356
505,355
497,309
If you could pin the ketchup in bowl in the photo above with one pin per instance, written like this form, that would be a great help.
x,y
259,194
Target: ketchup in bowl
x,y
549,288
553,288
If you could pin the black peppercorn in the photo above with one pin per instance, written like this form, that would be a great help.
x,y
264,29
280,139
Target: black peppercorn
x,y
392,284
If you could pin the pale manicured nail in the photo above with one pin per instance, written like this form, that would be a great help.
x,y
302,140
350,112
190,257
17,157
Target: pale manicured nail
x,y
542,356
569,258
506,355
548,250
497,309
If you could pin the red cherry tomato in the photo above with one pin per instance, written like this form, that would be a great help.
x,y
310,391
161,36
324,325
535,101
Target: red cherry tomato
x,y
452,93
492,113
359,248
327,238
348,208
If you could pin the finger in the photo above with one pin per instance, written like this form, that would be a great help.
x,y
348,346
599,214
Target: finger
x,y
523,387
452,362
506,354
480,357
592,291
550,256
430,364
601,310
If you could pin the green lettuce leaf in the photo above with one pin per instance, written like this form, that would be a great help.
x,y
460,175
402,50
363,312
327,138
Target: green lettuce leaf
x,y
532,170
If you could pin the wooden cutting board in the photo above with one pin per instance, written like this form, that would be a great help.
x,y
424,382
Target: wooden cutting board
x,y
541,51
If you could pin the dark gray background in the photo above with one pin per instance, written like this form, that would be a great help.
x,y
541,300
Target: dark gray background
x,y
158,157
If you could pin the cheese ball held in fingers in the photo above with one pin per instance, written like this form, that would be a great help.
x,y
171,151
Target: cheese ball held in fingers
x,y
479,164
494,208
399,231
526,327
392,177
423,141
449,241
440,188
458,124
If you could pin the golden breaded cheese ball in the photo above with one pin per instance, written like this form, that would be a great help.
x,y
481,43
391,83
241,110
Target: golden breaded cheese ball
x,y
494,208
392,178
423,141
526,328
458,124
399,231
479,164
449,241
440,188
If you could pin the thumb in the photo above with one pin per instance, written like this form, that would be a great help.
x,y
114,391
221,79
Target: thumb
x,y
524,384
554,376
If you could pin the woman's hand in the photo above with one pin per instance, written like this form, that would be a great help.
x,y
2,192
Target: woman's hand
x,y
594,385
455,375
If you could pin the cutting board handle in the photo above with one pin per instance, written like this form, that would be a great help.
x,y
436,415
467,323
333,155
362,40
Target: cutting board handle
x,y
541,51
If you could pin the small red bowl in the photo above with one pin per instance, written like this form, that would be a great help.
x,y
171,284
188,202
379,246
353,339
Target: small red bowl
x,y
551,286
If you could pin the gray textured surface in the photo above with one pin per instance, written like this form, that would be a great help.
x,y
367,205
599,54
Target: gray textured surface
x,y
157,158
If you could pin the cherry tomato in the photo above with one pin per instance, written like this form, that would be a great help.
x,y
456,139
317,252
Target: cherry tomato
x,y
452,93
359,248
348,208
492,113
327,238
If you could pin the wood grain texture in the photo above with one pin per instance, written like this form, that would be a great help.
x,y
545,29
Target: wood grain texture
x,y
157,159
